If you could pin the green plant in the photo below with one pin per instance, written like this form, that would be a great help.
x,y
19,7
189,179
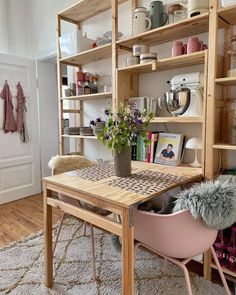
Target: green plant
x,y
121,127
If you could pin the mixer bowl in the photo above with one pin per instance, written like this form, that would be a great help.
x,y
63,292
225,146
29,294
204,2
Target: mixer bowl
x,y
177,101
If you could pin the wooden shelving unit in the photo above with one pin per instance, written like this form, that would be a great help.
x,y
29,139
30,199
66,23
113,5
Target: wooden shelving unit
x,y
177,120
81,11
125,80
89,96
165,64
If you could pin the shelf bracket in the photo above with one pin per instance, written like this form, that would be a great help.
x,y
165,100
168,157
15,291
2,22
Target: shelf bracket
x,y
125,48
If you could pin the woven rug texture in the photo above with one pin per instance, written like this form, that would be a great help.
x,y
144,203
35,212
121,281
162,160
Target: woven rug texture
x,y
22,268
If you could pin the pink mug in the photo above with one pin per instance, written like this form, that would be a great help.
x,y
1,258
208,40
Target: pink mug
x,y
177,48
193,45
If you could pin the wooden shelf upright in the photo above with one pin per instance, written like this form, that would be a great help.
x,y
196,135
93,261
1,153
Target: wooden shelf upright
x,y
217,103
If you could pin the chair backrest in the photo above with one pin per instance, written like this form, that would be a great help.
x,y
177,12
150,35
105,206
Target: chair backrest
x,y
176,235
62,164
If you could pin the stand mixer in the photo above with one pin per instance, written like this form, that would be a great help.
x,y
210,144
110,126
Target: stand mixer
x,y
185,97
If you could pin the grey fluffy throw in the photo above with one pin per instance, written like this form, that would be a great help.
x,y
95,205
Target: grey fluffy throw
x,y
213,201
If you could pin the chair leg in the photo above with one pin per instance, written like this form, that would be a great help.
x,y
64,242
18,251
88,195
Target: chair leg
x,y
59,231
187,279
164,268
220,271
93,252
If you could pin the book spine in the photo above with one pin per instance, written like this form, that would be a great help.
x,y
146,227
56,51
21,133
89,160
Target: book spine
x,y
138,149
141,149
134,150
154,140
149,136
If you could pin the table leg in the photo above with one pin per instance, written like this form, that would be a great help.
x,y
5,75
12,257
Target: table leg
x,y
127,255
48,261
207,265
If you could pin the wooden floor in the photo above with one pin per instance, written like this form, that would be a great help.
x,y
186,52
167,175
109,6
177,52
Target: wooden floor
x,y
21,218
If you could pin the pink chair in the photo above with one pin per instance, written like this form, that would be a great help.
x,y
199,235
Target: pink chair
x,y
176,237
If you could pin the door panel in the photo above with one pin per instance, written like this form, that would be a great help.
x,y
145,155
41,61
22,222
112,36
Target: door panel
x,y
19,162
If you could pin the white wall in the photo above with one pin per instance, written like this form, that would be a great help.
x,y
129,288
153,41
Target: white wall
x,y
14,28
43,23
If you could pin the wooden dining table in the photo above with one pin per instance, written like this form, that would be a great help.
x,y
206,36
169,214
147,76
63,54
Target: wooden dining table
x,y
98,186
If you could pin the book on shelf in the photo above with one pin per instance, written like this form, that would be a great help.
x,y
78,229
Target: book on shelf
x,y
134,149
169,149
142,152
153,145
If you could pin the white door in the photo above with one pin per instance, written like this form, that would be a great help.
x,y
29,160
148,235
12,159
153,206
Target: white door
x,y
48,109
19,162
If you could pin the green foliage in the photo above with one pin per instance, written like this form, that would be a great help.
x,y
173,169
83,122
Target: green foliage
x,y
121,128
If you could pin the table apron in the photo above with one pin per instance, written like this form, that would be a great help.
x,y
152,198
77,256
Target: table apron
x,y
88,216
93,200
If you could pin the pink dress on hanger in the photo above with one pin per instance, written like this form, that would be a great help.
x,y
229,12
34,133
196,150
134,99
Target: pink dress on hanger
x,y
21,110
9,124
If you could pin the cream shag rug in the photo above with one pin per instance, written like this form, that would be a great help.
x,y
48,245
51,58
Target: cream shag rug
x,y
21,268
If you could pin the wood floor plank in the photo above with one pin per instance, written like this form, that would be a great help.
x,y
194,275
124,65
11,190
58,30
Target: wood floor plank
x,y
21,218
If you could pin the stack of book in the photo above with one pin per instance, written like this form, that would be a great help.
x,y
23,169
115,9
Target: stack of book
x,y
162,148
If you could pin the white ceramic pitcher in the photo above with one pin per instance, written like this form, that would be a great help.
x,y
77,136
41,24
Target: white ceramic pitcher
x,y
141,22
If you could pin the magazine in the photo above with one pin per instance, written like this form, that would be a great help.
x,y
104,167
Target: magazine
x,y
169,149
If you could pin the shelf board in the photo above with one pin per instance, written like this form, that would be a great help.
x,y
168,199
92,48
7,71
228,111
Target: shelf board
x,y
192,119
88,56
180,61
224,146
225,270
94,96
226,81
84,9
195,25
228,14
78,136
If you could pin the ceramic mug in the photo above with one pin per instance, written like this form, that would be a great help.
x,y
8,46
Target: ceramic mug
x,y
158,17
141,22
139,49
194,45
178,48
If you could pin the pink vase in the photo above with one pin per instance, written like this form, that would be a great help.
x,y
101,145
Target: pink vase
x,y
177,48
